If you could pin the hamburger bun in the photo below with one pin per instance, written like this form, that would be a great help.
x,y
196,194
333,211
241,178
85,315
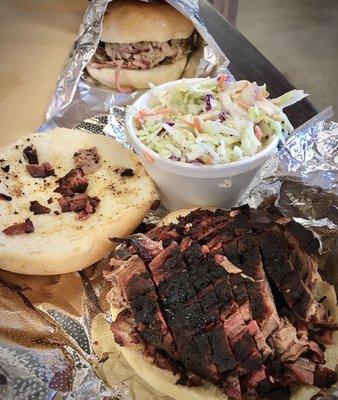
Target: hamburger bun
x,y
62,243
164,380
139,78
131,21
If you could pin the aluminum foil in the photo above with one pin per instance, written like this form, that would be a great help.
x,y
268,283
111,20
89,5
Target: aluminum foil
x,y
78,97
303,176
55,341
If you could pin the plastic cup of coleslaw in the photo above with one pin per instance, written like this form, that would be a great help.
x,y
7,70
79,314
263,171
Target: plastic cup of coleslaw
x,y
185,185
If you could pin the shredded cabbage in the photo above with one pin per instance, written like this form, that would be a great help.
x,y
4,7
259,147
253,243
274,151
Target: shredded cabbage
x,y
214,120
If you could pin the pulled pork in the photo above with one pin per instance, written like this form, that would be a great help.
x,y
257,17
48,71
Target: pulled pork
x,y
142,55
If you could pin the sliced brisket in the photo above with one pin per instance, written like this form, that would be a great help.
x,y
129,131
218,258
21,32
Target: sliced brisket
x,y
286,278
19,228
73,182
258,289
40,170
204,295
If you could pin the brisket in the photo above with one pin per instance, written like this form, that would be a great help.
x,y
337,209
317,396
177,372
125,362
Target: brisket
x,y
146,248
31,155
324,377
40,170
88,160
286,342
123,328
73,182
19,228
258,289
38,208
301,371
204,294
288,281
5,197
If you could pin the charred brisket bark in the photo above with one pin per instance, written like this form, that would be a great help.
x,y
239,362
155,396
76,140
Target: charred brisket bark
x,y
202,293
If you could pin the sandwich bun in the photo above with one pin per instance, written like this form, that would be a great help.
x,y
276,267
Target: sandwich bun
x,y
61,243
164,381
131,21
139,78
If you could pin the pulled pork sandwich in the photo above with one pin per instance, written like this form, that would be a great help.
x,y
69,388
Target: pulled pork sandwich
x,y
225,304
142,42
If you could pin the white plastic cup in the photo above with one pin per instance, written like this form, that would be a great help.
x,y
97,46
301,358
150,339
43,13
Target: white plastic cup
x,y
184,185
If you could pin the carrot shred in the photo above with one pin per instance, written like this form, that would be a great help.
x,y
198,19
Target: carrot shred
x,y
243,105
209,160
221,81
190,124
258,133
148,158
197,124
122,89
163,110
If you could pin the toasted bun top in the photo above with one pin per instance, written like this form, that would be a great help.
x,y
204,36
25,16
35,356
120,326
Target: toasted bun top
x,y
60,242
130,21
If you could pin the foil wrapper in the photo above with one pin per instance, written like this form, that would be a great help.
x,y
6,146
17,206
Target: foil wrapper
x,y
78,97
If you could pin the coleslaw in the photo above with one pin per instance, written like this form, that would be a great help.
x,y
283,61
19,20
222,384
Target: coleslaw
x,y
213,120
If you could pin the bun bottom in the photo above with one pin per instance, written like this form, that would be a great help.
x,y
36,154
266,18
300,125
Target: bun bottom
x,y
139,78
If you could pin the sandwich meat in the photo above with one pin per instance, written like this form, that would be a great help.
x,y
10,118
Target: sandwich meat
x,y
228,298
143,55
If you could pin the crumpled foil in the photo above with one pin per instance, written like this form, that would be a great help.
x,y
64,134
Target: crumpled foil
x,y
78,97
55,341
303,176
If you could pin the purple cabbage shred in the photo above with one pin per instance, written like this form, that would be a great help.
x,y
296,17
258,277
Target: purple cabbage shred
x,y
174,158
197,162
223,116
208,97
